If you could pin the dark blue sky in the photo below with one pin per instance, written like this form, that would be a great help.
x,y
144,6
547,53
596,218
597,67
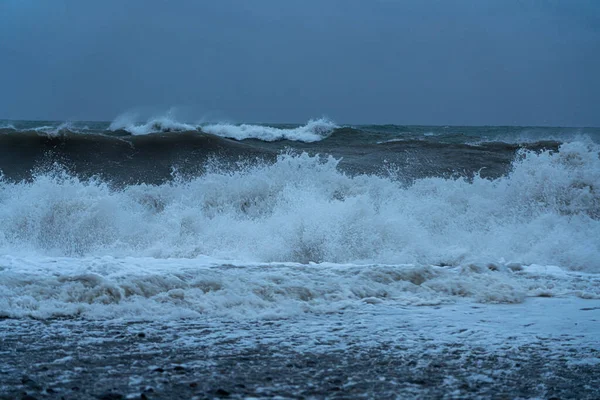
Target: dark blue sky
x,y
497,62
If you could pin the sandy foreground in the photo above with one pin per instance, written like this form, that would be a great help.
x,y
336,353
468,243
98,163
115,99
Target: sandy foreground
x,y
542,348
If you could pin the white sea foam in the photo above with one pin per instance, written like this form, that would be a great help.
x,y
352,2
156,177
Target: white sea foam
x,y
392,140
302,208
50,130
529,137
166,123
150,288
313,131
155,248
53,131
7,126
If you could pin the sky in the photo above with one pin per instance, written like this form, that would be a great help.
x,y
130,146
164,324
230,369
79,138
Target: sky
x,y
438,62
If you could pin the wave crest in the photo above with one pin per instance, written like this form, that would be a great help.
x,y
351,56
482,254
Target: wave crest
x,y
315,130
164,124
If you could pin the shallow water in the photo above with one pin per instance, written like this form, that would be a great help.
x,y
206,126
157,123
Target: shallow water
x,y
453,351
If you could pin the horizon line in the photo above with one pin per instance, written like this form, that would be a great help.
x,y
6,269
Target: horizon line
x,y
304,123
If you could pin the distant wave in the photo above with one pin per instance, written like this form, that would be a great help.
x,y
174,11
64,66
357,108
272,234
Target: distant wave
x,y
7,126
313,131
153,125
57,129
63,128
395,140
527,138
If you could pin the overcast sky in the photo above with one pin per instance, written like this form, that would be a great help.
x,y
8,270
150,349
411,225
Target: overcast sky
x,y
503,62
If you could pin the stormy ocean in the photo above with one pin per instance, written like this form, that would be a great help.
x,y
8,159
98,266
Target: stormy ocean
x,y
140,259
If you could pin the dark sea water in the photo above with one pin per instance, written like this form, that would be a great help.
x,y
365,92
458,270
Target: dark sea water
x,y
149,152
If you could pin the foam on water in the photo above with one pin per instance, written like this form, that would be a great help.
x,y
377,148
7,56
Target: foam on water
x,y
7,126
313,131
166,123
53,131
374,238
302,208
525,137
150,288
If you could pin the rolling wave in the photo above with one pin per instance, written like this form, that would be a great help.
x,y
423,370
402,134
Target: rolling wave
x,y
163,124
313,131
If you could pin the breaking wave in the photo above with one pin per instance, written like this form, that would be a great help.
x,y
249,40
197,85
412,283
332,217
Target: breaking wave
x,y
7,127
55,130
313,131
162,124
302,208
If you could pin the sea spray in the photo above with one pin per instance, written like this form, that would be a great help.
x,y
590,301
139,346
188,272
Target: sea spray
x,y
302,208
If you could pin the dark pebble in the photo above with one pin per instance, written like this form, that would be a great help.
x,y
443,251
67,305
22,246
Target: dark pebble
x,y
142,335
25,380
158,370
193,384
111,396
179,368
222,393
28,397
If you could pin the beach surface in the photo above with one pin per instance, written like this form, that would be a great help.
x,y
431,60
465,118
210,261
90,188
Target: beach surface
x,y
541,348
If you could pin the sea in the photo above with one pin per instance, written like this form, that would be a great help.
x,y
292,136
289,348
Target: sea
x,y
327,257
